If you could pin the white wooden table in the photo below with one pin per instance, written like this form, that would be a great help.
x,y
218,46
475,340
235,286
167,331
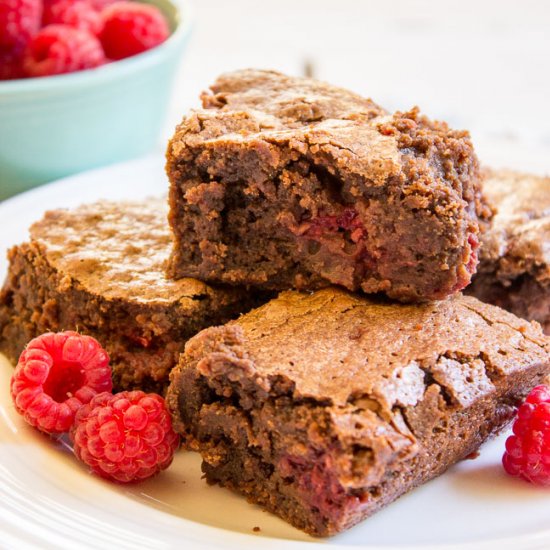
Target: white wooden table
x,y
479,64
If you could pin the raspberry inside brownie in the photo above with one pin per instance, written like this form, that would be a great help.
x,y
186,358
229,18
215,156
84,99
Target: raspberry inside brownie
x,y
99,269
283,182
325,407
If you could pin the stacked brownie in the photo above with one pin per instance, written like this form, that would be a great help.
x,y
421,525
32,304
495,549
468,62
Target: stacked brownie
x,y
322,405
514,269
99,269
369,373
283,182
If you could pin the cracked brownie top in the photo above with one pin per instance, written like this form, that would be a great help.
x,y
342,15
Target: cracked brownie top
x,y
333,125
337,348
352,400
117,251
282,182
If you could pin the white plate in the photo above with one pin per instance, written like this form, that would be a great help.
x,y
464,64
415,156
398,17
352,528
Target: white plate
x,y
47,499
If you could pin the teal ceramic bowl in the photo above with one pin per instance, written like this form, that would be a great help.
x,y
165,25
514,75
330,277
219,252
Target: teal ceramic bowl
x,y
55,126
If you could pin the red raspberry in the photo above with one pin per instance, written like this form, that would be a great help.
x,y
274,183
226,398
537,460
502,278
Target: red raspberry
x,y
131,28
19,21
100,5
56,375
78,14
58,49
125,437
528,450
11,64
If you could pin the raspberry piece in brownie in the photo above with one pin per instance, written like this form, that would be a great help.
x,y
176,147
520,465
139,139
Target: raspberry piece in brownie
x,y
325,407
56,375
282,182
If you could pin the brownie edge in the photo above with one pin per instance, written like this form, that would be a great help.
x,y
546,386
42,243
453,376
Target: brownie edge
x,y
323,408
281,182
99,269
514,269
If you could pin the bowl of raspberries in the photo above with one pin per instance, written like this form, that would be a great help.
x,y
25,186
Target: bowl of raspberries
x,y
83,83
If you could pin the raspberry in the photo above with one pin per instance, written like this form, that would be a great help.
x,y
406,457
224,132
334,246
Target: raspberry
x,y
11,64
131,28
19,21
99,5
125,437
58,49
78,14
56,375
528,450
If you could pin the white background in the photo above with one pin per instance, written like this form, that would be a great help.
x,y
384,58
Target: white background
x,y
482,65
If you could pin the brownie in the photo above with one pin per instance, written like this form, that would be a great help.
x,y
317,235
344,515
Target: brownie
x,y
282,182
99,269
514,269
325,407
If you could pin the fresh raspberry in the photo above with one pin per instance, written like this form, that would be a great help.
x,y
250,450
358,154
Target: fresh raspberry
x,y
58,49
11,64
78,14
19,21
528,450
56,374
131,28
100,5
125,437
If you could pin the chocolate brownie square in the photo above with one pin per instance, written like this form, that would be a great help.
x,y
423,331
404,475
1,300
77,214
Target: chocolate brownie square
x,y
281,182
324,407
99,269
514,269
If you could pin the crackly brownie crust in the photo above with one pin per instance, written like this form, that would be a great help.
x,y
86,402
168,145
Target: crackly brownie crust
x,y
325,407
99,269
514,269
283,182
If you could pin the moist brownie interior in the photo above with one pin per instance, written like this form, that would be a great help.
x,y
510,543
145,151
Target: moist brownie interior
x,y
282,182
99,269
514,270
325,407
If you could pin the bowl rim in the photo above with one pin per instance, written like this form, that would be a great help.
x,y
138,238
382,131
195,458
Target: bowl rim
x,y
110,71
